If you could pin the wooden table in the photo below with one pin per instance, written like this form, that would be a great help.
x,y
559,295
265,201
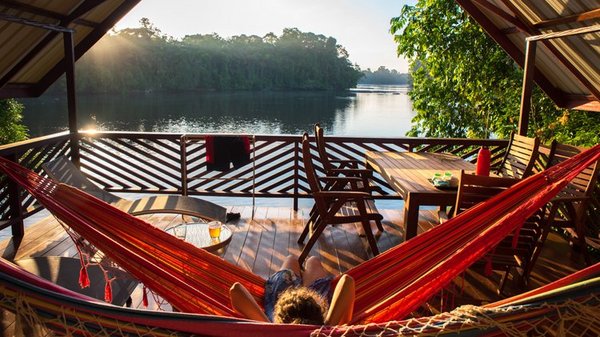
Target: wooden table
x,y
197,234
409,174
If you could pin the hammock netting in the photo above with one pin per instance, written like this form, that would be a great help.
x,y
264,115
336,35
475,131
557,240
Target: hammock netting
x,y
388,287
552,310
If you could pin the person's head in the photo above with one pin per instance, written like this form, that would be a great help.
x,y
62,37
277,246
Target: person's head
x,y
300,305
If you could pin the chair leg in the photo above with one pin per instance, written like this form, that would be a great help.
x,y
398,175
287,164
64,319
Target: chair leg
x,y
503,281
580,230
370,238
314,236
379,225
312,219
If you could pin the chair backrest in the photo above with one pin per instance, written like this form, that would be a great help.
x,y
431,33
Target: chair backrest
x,y
63,170
585,182
473,189
323,156
311,175
519,160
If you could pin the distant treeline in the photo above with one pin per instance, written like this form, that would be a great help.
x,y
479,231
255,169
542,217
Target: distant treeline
x,y
385,76
142,59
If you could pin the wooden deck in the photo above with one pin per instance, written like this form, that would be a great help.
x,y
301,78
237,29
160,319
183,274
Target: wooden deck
x,y
261,243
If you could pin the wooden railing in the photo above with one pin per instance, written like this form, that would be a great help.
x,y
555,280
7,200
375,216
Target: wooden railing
x,y
152,163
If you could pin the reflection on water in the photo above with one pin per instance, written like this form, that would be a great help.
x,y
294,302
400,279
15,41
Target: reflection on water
x,y
381,111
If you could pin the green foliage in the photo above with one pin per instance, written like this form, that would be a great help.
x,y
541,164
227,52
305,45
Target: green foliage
x,y
385,76
11,129
143,59
465,85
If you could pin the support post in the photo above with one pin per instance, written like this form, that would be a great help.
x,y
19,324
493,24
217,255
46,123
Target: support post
x,y
529,71
16,208
71,97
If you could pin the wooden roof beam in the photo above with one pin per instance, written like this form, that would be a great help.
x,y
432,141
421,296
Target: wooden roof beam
x,y
86,44
589,15
32,23
515,53
565,33
559,98
503,14
47,13
85,7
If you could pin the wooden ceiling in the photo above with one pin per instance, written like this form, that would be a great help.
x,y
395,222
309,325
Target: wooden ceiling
x,y
32,49
566,68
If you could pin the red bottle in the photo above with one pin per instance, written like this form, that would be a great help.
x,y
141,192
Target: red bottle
x,y
483,162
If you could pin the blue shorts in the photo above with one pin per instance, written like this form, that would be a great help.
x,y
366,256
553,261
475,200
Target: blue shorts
x,y
286,278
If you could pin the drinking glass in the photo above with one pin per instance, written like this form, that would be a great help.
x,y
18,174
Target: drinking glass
x,y
214,229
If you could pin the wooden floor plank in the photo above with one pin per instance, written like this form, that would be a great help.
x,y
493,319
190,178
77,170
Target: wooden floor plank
x,y
262,260
281,218
250,247
298,221
234,249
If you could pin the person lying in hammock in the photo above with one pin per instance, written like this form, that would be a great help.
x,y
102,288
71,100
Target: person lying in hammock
x,y
296,297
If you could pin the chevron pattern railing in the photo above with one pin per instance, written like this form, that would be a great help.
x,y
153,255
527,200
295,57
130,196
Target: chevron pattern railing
x,y
155,163
176,164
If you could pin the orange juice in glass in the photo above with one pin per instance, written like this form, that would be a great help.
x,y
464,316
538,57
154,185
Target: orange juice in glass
x,y
214,229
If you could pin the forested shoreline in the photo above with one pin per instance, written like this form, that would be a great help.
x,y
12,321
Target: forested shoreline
x,y
385,76
144,60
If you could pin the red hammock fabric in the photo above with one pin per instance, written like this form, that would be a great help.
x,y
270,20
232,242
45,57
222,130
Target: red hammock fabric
x,y
389,286
397,282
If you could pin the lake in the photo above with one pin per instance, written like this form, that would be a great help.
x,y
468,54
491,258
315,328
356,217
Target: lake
x,y
368,111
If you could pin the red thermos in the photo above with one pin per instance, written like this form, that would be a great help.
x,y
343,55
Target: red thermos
x,y
483,162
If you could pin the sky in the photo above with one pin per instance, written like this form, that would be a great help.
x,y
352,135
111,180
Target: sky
x,y
361,26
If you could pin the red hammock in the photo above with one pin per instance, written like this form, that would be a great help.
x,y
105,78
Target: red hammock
x,y
389,286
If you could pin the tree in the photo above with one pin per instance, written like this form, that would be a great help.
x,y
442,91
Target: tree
x,y
143,60
465,85
11,129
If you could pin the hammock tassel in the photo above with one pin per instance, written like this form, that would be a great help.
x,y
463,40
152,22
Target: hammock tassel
x,y
84,280
145,297
108,292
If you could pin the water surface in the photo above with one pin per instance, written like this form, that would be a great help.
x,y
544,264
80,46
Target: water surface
x,y
370,111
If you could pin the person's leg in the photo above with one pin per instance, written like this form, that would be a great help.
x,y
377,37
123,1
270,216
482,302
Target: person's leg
x,y
291,263
288,276
313,270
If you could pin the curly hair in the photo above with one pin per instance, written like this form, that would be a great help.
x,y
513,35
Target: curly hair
x,y
300,305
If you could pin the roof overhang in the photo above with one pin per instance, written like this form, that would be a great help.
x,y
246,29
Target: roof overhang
x,y
31,39
567,68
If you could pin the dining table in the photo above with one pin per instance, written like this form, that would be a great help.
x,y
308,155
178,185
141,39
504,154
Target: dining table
x,y
411,175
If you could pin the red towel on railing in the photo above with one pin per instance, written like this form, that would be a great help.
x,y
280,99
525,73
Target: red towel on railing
x,y
222,151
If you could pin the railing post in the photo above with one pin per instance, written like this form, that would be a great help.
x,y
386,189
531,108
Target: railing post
x,y
183,164
296,172
16,208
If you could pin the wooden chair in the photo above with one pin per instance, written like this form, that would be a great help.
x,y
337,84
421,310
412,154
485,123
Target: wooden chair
x,y
474,189
334,206
572,202
347,168
519,160
334,167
